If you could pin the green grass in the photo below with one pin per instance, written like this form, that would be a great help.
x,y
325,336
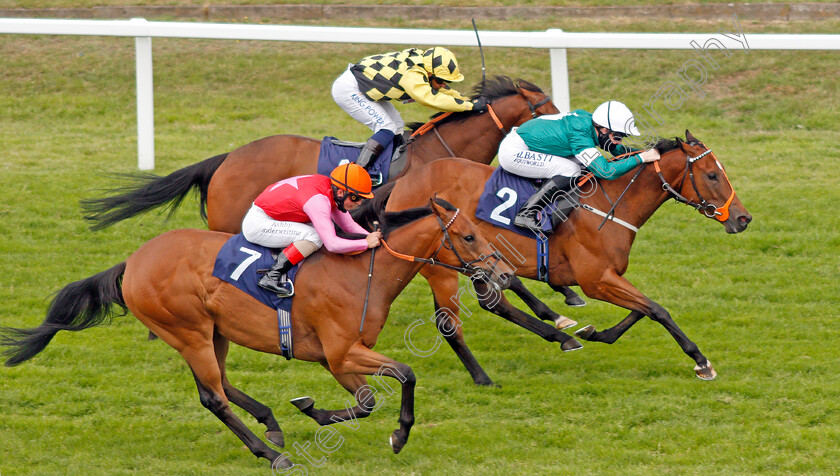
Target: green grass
x,y
761,305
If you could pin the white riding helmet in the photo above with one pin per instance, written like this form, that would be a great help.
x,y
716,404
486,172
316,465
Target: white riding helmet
x,y
617,117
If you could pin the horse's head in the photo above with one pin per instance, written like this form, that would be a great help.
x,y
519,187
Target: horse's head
x,y
515,101
706,187
463,245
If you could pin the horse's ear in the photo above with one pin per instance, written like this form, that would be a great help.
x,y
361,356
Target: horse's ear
x,y
690,138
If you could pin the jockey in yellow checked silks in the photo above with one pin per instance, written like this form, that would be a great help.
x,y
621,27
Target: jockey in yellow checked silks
x,y
365,89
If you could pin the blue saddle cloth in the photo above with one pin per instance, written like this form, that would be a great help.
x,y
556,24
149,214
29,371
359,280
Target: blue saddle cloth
x,y
237,263
503,196
332,155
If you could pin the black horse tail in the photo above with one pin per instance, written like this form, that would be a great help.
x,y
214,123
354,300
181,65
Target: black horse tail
x,y
80,305
146,191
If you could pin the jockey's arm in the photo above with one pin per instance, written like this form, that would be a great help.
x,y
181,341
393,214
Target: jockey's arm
x,y
415,84
318,209
604,169
345,221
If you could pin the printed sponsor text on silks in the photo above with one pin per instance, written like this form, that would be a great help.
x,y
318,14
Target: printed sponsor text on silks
x,y
362,102
527,157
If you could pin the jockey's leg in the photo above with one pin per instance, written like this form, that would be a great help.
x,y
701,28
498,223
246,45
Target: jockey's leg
x,y
274,279
298,241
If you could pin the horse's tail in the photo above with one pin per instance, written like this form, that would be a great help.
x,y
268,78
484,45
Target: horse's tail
x,y
146,191
80,305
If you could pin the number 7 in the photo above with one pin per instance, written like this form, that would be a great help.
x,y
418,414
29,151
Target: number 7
x,y
255,255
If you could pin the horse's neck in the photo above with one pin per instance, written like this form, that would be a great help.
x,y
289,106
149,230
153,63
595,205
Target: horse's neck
x,y
414,239
476,137
646,194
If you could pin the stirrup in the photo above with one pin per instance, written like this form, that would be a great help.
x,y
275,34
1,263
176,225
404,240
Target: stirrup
x,y
528,220
282,288
375,180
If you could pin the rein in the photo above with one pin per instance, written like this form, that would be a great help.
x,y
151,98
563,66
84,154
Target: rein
x,y
445,242
720,214
434,121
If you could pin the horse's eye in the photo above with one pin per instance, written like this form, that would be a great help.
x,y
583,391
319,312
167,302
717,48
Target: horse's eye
x,y
712,176
469,238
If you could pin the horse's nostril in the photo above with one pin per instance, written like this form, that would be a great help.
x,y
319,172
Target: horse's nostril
x,y
745,219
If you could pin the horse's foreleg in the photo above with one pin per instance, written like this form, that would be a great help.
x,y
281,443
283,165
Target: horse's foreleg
x,y
239,398
493,300
355,384
540,308
444,284
615,289
361,360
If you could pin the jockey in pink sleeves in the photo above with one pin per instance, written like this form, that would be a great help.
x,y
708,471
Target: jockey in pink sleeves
x,y
297,214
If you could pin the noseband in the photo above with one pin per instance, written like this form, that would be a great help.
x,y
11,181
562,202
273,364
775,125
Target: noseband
x,y
720,214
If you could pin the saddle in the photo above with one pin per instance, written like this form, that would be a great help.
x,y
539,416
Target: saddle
x,y
389,165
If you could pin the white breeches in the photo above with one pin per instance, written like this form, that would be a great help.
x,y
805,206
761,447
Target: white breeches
x,y
259,228
374,114
514,157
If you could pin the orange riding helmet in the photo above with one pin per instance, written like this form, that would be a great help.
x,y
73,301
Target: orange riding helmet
x,y
352,178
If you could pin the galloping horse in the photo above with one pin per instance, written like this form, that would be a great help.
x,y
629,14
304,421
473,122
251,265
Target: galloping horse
x,y
580,254
228,183
168,285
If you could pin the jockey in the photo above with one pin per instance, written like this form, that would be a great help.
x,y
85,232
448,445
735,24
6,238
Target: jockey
x,y
365,89
297,214
559,146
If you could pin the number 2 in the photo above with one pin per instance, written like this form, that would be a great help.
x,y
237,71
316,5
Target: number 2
x,y
496,214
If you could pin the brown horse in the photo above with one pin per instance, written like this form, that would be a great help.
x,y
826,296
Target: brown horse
x,y
228,183
580,254
168,285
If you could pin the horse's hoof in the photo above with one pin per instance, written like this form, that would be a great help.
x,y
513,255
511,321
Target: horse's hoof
x,y
303,403
276,437
563,323
575,301
281,462
396,442
571,345
585,332
705,372
485,382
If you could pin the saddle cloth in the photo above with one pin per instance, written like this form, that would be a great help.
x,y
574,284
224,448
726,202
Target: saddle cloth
x,y
504,194
334,153
237,263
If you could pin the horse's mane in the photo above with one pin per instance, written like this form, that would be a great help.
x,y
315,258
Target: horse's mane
x,y
666,145
493,89
374,210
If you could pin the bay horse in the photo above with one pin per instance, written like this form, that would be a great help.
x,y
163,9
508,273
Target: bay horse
x,y
580,254
168,285
228,183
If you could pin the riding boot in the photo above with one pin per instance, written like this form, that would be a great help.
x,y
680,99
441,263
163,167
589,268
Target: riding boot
x,y
274,279
526,217
370,151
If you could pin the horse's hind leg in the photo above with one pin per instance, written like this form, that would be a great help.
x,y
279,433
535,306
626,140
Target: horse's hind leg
x,y
356,385
444,284
256,409
208,379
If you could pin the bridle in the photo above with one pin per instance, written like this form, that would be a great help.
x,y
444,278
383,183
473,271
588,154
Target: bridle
x,y
720,214
534,107
433,122
446,243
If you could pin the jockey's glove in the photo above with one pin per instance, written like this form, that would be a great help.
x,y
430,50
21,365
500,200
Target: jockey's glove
x,y
650,155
